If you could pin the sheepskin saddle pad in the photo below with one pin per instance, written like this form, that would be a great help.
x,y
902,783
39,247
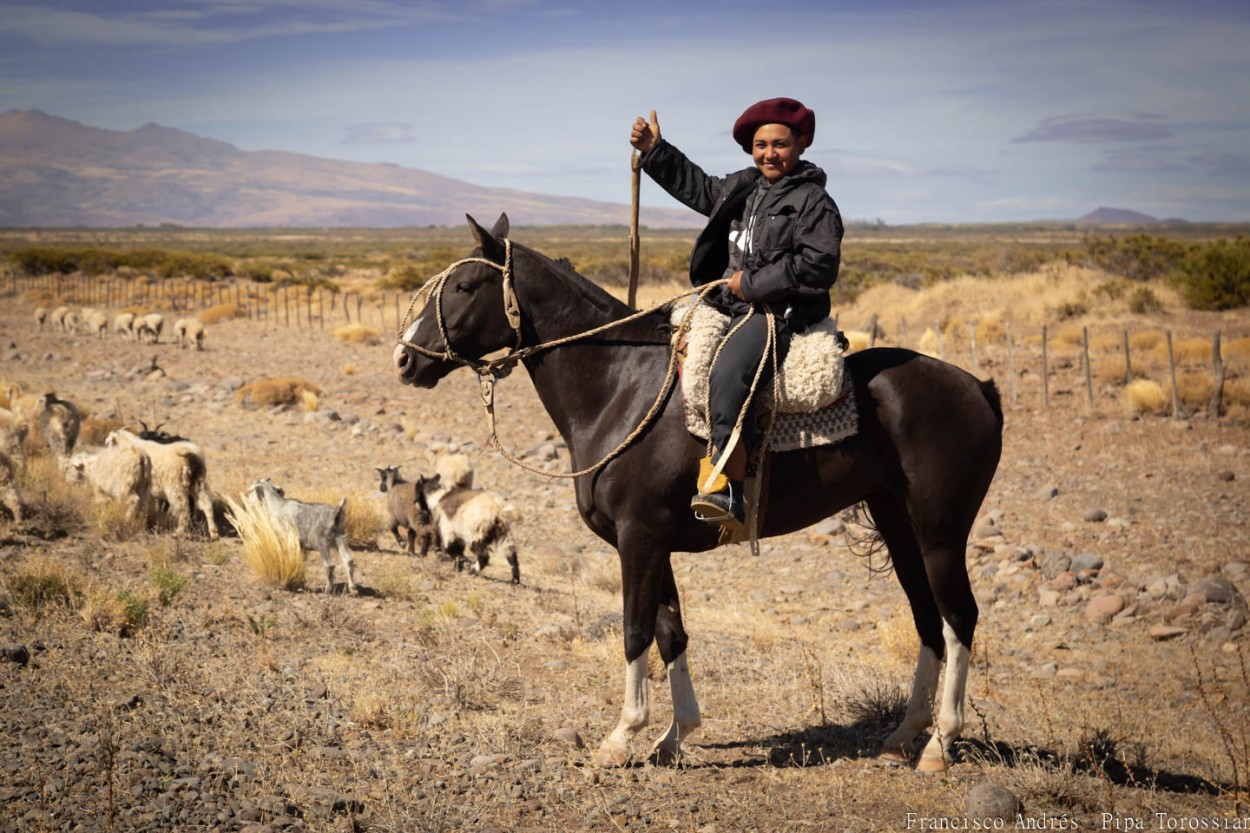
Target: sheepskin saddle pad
x,y
817,406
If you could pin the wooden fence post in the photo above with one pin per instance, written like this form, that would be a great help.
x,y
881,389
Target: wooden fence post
x,y
1045,371
1089,381
1176,399
872,331
360,300
1217,361
1128,362
972,341
1011,365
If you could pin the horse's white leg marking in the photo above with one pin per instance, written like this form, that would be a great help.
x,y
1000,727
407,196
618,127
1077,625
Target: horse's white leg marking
x,y
614,751
919,716
686,715
950,722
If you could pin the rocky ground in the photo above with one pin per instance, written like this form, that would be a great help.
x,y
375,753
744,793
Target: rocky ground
x,y
1110,671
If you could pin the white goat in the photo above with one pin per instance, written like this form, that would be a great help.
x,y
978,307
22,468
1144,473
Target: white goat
x,y
454,470
471,520
95,322
9,496
124,324
56,318
122,473
179,477
318,524
189,331
41,316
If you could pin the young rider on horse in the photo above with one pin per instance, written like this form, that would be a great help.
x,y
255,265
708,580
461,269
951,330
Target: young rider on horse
x,y
776,234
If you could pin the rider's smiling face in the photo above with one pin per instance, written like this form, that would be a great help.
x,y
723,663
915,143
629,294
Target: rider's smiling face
x,y
776,150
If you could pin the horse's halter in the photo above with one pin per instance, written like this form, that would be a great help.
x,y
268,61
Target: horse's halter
x,y
511,307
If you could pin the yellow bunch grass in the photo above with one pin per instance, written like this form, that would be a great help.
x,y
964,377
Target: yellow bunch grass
x,y
357,334
1144,396
1143,340
218,313
364,519
1184,350
270,548
268,393
1237,350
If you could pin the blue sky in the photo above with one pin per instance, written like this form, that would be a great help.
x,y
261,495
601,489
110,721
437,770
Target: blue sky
x,y
926,111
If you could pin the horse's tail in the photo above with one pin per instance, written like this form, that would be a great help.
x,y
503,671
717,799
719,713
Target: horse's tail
x,y
992,396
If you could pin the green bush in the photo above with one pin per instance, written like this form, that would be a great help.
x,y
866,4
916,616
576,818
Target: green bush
x,y
1137,257
1144,301
1216,275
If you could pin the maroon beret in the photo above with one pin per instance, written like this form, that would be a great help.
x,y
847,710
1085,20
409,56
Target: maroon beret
x,y
785,111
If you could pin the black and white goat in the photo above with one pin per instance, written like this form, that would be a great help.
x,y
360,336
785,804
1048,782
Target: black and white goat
x,y
469,522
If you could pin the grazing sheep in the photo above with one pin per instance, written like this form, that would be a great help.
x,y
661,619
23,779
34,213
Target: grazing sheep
x,y
469,519
95,322
41,316
124,325
189,331
9,496
318,524
122,473
59,422
148,327
13,430
455,470
56,318
406,511
179,477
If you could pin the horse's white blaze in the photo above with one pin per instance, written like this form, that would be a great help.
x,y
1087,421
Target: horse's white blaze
x,y
636,710
950,723
686,715
412,328
919,706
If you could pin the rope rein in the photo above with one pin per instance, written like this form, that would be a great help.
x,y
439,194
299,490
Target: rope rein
x,y
490,371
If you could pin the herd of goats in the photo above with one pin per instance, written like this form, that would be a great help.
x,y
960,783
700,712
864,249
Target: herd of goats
x,y
161,479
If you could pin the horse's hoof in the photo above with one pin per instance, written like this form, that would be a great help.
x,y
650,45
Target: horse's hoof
x,y
894,755
606,757
927,763
660,756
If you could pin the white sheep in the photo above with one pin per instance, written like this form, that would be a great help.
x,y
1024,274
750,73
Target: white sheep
x,y
189,331
9,495
471,520
407,511
56,318
454,470
124,324
318,525
179,477
148,327
95,323
41,316
122,473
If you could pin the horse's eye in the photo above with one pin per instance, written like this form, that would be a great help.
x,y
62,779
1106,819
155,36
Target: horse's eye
x,y
462,286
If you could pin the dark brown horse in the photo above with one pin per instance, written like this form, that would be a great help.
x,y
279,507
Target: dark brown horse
x,y
929,440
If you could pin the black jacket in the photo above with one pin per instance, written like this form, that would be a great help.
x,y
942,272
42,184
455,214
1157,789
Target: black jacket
x,y
797,242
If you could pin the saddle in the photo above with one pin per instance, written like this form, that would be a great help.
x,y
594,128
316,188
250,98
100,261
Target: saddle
x,y
816,406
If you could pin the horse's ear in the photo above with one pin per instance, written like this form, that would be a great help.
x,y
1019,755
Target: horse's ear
x,y
487,241
501,226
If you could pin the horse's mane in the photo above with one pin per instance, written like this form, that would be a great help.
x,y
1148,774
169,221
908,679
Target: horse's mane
x,y
596,295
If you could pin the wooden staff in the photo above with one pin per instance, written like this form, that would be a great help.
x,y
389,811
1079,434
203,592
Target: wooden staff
x,y
635,167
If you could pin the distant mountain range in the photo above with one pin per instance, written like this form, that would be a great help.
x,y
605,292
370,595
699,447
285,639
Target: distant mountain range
x,y
57,172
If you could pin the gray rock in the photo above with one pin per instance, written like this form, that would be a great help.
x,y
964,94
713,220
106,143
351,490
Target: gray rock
x,y
1218,589
1087,561
1055,563
1095,516
1047,493
15,653
990,801
569,735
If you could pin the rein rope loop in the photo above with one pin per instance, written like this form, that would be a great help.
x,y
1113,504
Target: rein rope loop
x,y
492,370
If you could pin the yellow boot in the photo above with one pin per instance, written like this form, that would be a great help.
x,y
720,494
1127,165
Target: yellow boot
x,y
719,502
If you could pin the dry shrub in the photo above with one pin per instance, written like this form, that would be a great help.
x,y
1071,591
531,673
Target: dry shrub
x,y
1070,335
357,334
52,506
42,581
94,431
1144,340
1143,396
1109,370
899,638
270,393
113,522
990,331
395,581
1106,343
218,313
1237,350
270,548
1184,350
120,613
1195,389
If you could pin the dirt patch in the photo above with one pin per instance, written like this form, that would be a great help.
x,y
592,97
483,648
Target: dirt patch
x,y
435,701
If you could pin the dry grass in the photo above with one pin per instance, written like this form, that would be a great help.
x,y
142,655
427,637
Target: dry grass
x,y
271,393
1143,396
218,313
94,431
357,334
270,549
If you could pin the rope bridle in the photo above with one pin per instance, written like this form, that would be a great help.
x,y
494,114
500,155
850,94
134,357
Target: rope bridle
x,y
491,371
